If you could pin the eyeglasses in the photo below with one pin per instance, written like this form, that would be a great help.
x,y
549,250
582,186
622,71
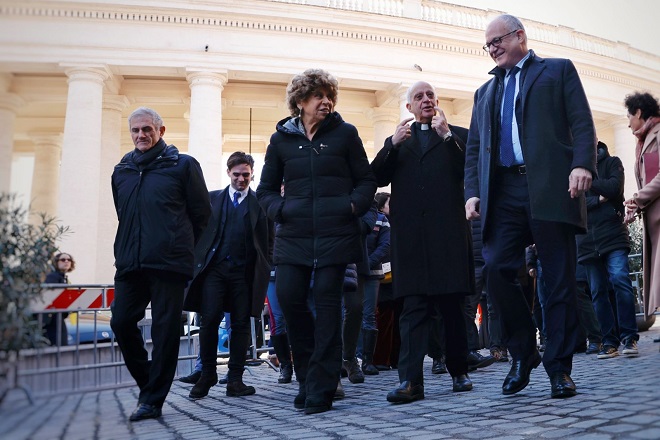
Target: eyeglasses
x,y
497,41
65,259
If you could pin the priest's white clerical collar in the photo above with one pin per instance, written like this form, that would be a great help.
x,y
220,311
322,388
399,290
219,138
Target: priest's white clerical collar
x,y
424,127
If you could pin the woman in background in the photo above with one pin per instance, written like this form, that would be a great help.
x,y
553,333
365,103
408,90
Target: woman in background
x,y
63,264
644,121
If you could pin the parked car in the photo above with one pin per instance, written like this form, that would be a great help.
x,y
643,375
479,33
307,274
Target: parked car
x,y
88,327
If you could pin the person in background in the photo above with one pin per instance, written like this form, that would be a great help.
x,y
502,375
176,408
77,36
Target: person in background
x,y
329,186
278,332
232,269
163,206
644,121
603,251
432,263
386,353
63,264
378,248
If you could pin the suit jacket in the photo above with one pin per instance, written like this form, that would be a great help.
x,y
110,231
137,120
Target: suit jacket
x,y
430,249
556,131
257,268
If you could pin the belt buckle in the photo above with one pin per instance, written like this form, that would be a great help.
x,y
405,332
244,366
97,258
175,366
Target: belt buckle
x,y
522,169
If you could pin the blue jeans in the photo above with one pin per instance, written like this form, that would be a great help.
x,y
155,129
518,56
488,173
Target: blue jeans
x,y
277,323
612,269
198,361
369,304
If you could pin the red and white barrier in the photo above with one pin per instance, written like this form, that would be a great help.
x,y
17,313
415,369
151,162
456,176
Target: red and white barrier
x,y
72,298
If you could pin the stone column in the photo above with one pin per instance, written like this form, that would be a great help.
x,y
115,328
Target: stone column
x,y
624,148
205,139
46,175
9,105
385,122
111,153
80,176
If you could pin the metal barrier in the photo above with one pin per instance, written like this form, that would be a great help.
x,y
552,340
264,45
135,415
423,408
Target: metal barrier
x,y
90,358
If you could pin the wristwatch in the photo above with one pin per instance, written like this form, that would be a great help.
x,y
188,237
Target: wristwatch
x,y
447,136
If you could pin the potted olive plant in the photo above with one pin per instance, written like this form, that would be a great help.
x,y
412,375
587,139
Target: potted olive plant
x,y
26,246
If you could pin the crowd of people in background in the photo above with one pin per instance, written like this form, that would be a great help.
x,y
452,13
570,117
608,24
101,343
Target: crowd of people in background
x,y
522,215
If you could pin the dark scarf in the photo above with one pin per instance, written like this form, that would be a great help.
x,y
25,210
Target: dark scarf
x,y
143,159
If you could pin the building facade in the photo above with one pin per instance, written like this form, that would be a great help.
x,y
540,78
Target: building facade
x,y
216,70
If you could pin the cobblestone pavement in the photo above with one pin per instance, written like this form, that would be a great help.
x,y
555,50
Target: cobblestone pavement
x,y
618,398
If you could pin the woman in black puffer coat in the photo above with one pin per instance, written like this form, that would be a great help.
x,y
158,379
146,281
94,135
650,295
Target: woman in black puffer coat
x,y
329,185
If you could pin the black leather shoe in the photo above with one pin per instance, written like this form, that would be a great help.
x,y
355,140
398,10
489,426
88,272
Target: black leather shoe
x,y
561,386
203,385
315,406
237,388
145,411
438,366
224,379
518,377
299,400
461,382
406,393
286,373
191,378
477,360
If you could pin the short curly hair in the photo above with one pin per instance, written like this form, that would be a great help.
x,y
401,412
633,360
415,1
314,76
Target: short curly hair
x,y
304,85
644,102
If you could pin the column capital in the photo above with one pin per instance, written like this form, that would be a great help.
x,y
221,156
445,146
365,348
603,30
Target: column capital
x,y
46,137
115,102
392,95
207,78
86,73
5,81
384,114
11,102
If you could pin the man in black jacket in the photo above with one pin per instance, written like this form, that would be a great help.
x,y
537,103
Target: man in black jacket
x,y
432,264
232,271
162,204
603,251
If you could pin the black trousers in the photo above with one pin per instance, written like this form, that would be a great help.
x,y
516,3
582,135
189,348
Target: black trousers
x,y
416,317
510,229
224,288
470,311
133,292
316,343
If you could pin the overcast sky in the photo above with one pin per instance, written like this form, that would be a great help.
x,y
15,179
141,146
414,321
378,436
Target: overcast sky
x,y
634,22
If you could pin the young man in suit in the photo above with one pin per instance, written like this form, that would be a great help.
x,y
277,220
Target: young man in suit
x,y
531,154
232,270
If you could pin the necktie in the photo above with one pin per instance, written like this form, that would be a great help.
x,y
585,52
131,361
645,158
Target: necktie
x,y
506,132
236,197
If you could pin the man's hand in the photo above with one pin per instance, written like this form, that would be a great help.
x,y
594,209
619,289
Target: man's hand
x,y
472,208
439,123
579,181
402,132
